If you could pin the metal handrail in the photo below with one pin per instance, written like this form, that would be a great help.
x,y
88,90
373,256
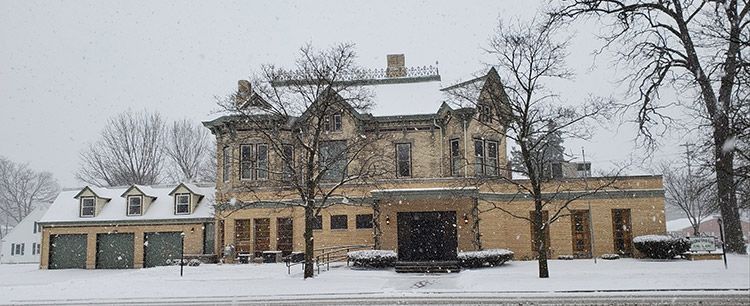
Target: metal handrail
x,y
330,254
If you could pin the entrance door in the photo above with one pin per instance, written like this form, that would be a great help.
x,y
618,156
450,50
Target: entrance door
x,y
427,236
284,235
581,233
242,238
262,236
622,231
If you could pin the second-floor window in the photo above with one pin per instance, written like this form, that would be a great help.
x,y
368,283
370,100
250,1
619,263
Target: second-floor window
x,y
226,163
88,206
485,152
333,159
182,204
287,162
455,157
403,159
485,113
135,205
254,161
332,123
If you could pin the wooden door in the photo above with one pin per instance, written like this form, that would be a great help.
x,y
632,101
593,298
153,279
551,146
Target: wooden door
x,y
284,235
581,233
427,236
262,236
622,232
242,238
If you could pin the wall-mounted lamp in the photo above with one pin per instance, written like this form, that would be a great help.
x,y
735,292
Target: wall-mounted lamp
x,y
192,230
466,219
387,220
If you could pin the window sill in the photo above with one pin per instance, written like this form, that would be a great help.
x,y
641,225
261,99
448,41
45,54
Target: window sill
x,y
339,229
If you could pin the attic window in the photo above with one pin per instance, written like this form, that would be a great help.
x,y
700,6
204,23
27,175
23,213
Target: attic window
x,y
485,113
135,205
182,204
333,123
88,206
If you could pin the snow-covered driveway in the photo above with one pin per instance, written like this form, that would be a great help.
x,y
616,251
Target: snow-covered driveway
x,y
27,284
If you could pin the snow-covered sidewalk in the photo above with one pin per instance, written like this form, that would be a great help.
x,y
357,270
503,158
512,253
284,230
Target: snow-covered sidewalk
x,y
26,283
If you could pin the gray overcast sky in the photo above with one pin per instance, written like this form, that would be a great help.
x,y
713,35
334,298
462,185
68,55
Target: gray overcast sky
x,y
66,66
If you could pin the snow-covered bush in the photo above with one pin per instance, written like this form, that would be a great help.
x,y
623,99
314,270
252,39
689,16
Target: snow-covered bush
x,y
566,257
194,262
492,257
372,258
610,256
661,247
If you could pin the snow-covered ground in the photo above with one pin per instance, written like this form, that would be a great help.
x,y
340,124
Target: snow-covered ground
x,y
28,284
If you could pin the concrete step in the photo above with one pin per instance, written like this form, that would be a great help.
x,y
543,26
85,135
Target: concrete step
x,y
427,267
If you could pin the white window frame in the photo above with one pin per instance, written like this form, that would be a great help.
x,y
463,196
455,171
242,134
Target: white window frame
x,y
250,163
93,213
140,209
177,203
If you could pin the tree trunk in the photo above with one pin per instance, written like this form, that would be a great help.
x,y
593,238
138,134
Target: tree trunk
x,y
376,229
696,229
309,243
541,242
733,239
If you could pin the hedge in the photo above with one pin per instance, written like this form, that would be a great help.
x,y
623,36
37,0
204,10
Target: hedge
x,y
491,258
372,258
661,247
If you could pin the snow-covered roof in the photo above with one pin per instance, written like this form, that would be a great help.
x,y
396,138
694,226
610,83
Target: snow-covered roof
x,y
23,231
406,98
65,208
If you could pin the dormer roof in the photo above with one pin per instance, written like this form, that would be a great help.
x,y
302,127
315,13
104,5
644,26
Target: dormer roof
x,y
144,190
190,187
99,193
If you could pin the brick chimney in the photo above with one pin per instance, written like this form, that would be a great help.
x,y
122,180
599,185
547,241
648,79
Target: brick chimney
x,y
396,66
244,91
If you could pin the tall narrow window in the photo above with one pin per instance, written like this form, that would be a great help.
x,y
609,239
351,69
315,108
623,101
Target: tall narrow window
x,y
491,163
88,206
287,162
38,248
135,205
403,159
332,123
226,165
262,161
246,162
333,159
182,204
478,157
12,249
33,248
455,158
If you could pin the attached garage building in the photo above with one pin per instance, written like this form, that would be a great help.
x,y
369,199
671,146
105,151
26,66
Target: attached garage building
x,y
130,227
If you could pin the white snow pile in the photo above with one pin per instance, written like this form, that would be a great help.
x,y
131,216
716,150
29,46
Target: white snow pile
x,y
610,256
373,258
651,238
491,257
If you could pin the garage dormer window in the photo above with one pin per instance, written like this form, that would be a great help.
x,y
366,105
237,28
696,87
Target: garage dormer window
x,y
135,205
88,206
182,204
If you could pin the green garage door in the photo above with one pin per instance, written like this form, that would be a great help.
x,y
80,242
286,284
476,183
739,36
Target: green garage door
x,y
114,251
161,247
67,251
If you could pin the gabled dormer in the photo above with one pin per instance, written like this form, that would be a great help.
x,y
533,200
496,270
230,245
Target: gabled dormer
x,y
138,199
90,202
185,198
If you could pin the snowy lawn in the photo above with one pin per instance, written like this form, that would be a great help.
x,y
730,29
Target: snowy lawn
x,y
19,283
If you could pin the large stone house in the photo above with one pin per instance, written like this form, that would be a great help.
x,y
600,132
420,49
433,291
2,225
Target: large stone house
x,y
430,205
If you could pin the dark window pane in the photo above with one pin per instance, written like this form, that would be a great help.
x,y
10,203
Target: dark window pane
x,y
262,162
333,158
403,159
455,158
339,222
479,157
246,162
288,162
134,206
317,223
364,221
337,122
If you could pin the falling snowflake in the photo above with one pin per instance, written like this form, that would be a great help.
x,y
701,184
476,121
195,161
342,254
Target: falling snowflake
x,y
729,144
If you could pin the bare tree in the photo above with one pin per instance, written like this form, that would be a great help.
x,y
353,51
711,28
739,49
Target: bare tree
x,y
522,108
22,188
698,45
691,193
299,114
129,151
190,150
